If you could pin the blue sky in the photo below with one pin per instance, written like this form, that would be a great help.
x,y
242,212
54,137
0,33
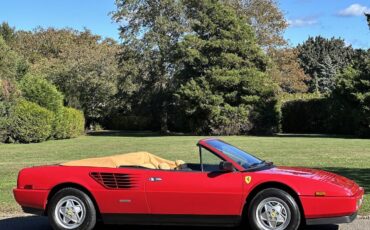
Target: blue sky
x,y
338,18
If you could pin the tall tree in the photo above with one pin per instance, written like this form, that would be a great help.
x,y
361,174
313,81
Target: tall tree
x,y
287,72
150,31
12,65
223,85
7,32
81,64
266,18
368,19
320,58
352,94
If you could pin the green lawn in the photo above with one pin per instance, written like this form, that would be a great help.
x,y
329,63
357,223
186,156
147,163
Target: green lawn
x,y
349,157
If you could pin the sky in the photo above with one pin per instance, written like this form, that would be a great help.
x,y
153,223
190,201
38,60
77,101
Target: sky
x,y
328,18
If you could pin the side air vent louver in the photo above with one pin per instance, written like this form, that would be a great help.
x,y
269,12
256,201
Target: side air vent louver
x,y
115,180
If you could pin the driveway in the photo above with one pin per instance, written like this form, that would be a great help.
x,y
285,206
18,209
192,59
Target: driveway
x,y
41,223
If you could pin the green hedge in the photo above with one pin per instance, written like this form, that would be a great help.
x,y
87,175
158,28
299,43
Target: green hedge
x,y
38,90
320,115
29,122
305,116
68,123
117,122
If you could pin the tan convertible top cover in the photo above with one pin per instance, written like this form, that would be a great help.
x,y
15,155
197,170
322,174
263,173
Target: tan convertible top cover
x,y
141,159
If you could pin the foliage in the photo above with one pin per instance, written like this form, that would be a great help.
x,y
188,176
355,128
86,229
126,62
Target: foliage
x,y
287,71
68,123
12,66
119,122
30,122
40,91
322,59
265,17
222,73
8,95
82,65
352,92
7,32
150,31
345,111
368,19
306,116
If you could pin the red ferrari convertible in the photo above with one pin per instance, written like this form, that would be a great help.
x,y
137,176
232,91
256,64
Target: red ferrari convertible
x,y
226,186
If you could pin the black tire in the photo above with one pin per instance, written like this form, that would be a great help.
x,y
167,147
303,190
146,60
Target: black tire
x,y
256,223
89,218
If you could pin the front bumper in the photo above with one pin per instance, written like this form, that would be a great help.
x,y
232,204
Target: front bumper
x,y
331,207
332,220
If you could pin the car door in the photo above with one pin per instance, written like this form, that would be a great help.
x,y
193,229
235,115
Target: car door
x,y
122,191
205,192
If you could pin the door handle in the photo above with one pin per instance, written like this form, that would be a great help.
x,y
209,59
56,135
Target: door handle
x,y
155,179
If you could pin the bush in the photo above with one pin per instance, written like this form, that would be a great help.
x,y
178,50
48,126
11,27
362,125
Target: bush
x,y
306,116
320,115
139,123
30,122
68,123
41,92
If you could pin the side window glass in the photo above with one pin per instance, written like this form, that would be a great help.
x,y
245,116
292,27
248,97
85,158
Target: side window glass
x,y
211,162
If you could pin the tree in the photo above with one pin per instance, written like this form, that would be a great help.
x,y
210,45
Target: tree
x,y
266,18
12,66
150,30
287,71
223,88
321,58
352,93
368,19
83,66
7,32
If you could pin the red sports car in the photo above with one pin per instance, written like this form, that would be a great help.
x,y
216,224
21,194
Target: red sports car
x,y
226,186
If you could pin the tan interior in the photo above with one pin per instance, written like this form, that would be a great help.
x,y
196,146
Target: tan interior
x,y
140,159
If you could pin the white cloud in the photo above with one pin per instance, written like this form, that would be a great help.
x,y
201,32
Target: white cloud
x,y
354,10
302,22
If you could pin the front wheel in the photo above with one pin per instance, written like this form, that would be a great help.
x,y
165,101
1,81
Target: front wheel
x,y
274,209
71,209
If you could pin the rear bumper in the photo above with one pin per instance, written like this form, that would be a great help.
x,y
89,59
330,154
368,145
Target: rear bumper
x,y
31,200
332,220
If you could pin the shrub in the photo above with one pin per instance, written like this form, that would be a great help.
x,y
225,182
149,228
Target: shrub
x,y
68,123
320,115
306,116
8,95
117,122
30,122
40,91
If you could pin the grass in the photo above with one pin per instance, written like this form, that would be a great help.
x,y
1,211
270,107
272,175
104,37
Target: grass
x,y
346,156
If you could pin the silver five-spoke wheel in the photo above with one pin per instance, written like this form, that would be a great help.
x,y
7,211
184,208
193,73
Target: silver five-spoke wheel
x,y
273,214
70,212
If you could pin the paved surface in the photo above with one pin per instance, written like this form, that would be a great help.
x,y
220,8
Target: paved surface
x,y
41,223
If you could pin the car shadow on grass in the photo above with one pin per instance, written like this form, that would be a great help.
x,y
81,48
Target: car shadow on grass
x,y
41,223
360,175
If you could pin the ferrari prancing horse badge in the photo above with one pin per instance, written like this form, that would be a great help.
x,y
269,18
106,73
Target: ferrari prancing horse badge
x,y
248,179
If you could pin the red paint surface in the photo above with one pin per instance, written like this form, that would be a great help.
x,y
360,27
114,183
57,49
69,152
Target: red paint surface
x,y
189,192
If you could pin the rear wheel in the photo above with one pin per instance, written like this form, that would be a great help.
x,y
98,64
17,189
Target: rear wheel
x,y
274,209
71,209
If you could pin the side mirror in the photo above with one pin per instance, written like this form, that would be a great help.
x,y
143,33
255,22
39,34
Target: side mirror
x,y
226,166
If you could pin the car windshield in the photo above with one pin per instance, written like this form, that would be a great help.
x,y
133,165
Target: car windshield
x,y
243,158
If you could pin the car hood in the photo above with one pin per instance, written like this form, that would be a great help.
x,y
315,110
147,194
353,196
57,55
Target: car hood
x,y
331,183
